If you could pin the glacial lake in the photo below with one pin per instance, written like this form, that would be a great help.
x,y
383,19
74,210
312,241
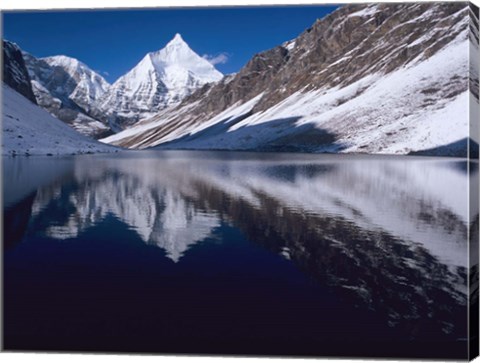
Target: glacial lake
x,y
237,253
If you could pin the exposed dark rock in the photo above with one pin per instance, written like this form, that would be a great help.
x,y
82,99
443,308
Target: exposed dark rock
x,y
15,72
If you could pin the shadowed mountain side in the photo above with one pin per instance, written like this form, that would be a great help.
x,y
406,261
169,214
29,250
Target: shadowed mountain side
x,y
461,148
66,109
212,131
30,130
275,135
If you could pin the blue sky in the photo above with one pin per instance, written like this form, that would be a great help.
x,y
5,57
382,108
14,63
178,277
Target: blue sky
x,y
114,41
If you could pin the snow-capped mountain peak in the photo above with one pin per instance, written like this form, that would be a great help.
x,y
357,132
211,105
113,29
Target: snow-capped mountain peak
x,y
162,78
176,40
177,62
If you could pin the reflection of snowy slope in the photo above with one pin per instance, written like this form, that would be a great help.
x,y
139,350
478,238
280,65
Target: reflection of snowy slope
x,y
389,234
159,216
420,201
415,199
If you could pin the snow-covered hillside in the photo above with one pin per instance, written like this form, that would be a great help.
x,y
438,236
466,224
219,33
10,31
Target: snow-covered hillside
x,y
408,201
70,91
27,129
161,79
379,78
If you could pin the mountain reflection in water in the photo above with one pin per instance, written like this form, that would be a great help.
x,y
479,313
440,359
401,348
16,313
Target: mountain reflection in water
x,y
242,253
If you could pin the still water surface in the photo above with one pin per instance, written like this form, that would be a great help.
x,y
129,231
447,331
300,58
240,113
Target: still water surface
x,y
236,253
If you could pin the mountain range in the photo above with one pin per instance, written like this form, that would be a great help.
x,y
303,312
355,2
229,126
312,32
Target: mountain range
x,y
373,78
27,129
82,98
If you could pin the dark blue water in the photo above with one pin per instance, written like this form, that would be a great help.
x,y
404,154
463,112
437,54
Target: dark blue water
x,y
236,253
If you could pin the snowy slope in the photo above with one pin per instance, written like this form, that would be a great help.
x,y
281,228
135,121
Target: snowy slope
x,y
401,196
161,79
70,91
397,84
28,129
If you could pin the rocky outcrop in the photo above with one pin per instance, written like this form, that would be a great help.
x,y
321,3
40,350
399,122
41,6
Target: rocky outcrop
x,y
15,73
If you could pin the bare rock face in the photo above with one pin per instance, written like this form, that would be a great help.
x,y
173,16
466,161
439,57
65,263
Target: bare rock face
x,y
339,49
338,52
252,79
15,73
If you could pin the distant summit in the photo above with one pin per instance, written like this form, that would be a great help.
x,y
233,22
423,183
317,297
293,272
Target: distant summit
x,y
160,79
